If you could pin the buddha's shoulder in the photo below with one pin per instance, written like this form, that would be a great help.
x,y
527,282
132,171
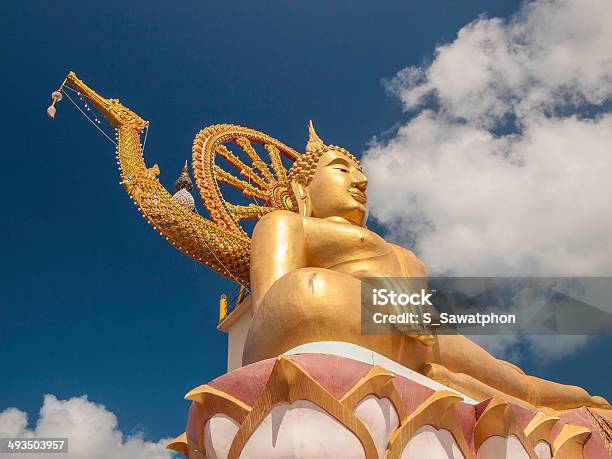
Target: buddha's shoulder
x,y
415,265
278,220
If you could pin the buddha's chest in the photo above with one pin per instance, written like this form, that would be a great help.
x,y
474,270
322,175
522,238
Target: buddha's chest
x,y
348,248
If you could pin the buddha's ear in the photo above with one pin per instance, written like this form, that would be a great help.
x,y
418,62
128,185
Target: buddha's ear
x,y
298,186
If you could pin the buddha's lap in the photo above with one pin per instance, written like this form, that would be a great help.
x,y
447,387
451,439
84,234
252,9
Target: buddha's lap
x,y
315,304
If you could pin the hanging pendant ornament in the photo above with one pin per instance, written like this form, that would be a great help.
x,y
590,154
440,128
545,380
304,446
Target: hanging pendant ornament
x,y
56,96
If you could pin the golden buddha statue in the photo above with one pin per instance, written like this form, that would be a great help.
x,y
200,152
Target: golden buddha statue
x,y
306,268
308,252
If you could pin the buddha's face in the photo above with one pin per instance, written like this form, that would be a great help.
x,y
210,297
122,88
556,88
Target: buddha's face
x,y
338,189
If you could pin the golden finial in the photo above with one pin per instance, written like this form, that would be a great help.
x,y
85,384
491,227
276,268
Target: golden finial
x,y
184,181
183,186
314,141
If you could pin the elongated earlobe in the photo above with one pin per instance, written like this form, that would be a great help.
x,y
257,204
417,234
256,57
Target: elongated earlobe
x,y
298,186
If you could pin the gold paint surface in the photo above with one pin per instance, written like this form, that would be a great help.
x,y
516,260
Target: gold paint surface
x,y
436,411
570,442
540,428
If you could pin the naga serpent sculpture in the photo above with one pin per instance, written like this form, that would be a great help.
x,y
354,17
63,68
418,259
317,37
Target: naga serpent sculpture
x,y
220,243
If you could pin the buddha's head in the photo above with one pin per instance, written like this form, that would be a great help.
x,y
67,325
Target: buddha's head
x,y
328,182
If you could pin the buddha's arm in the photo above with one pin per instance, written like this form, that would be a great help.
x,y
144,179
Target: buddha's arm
x,y
278,247
411,263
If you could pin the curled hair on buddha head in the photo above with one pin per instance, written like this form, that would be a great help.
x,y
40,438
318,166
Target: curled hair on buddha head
x,y
306,164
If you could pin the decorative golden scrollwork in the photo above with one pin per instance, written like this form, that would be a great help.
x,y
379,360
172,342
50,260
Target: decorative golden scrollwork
x,y
257,181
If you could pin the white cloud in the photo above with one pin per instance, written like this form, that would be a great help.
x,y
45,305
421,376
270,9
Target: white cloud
x,y
545,348
552,52
556,347
91,429
503,345
525,204
504,169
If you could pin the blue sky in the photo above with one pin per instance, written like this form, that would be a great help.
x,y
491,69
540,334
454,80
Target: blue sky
x,y
94,301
